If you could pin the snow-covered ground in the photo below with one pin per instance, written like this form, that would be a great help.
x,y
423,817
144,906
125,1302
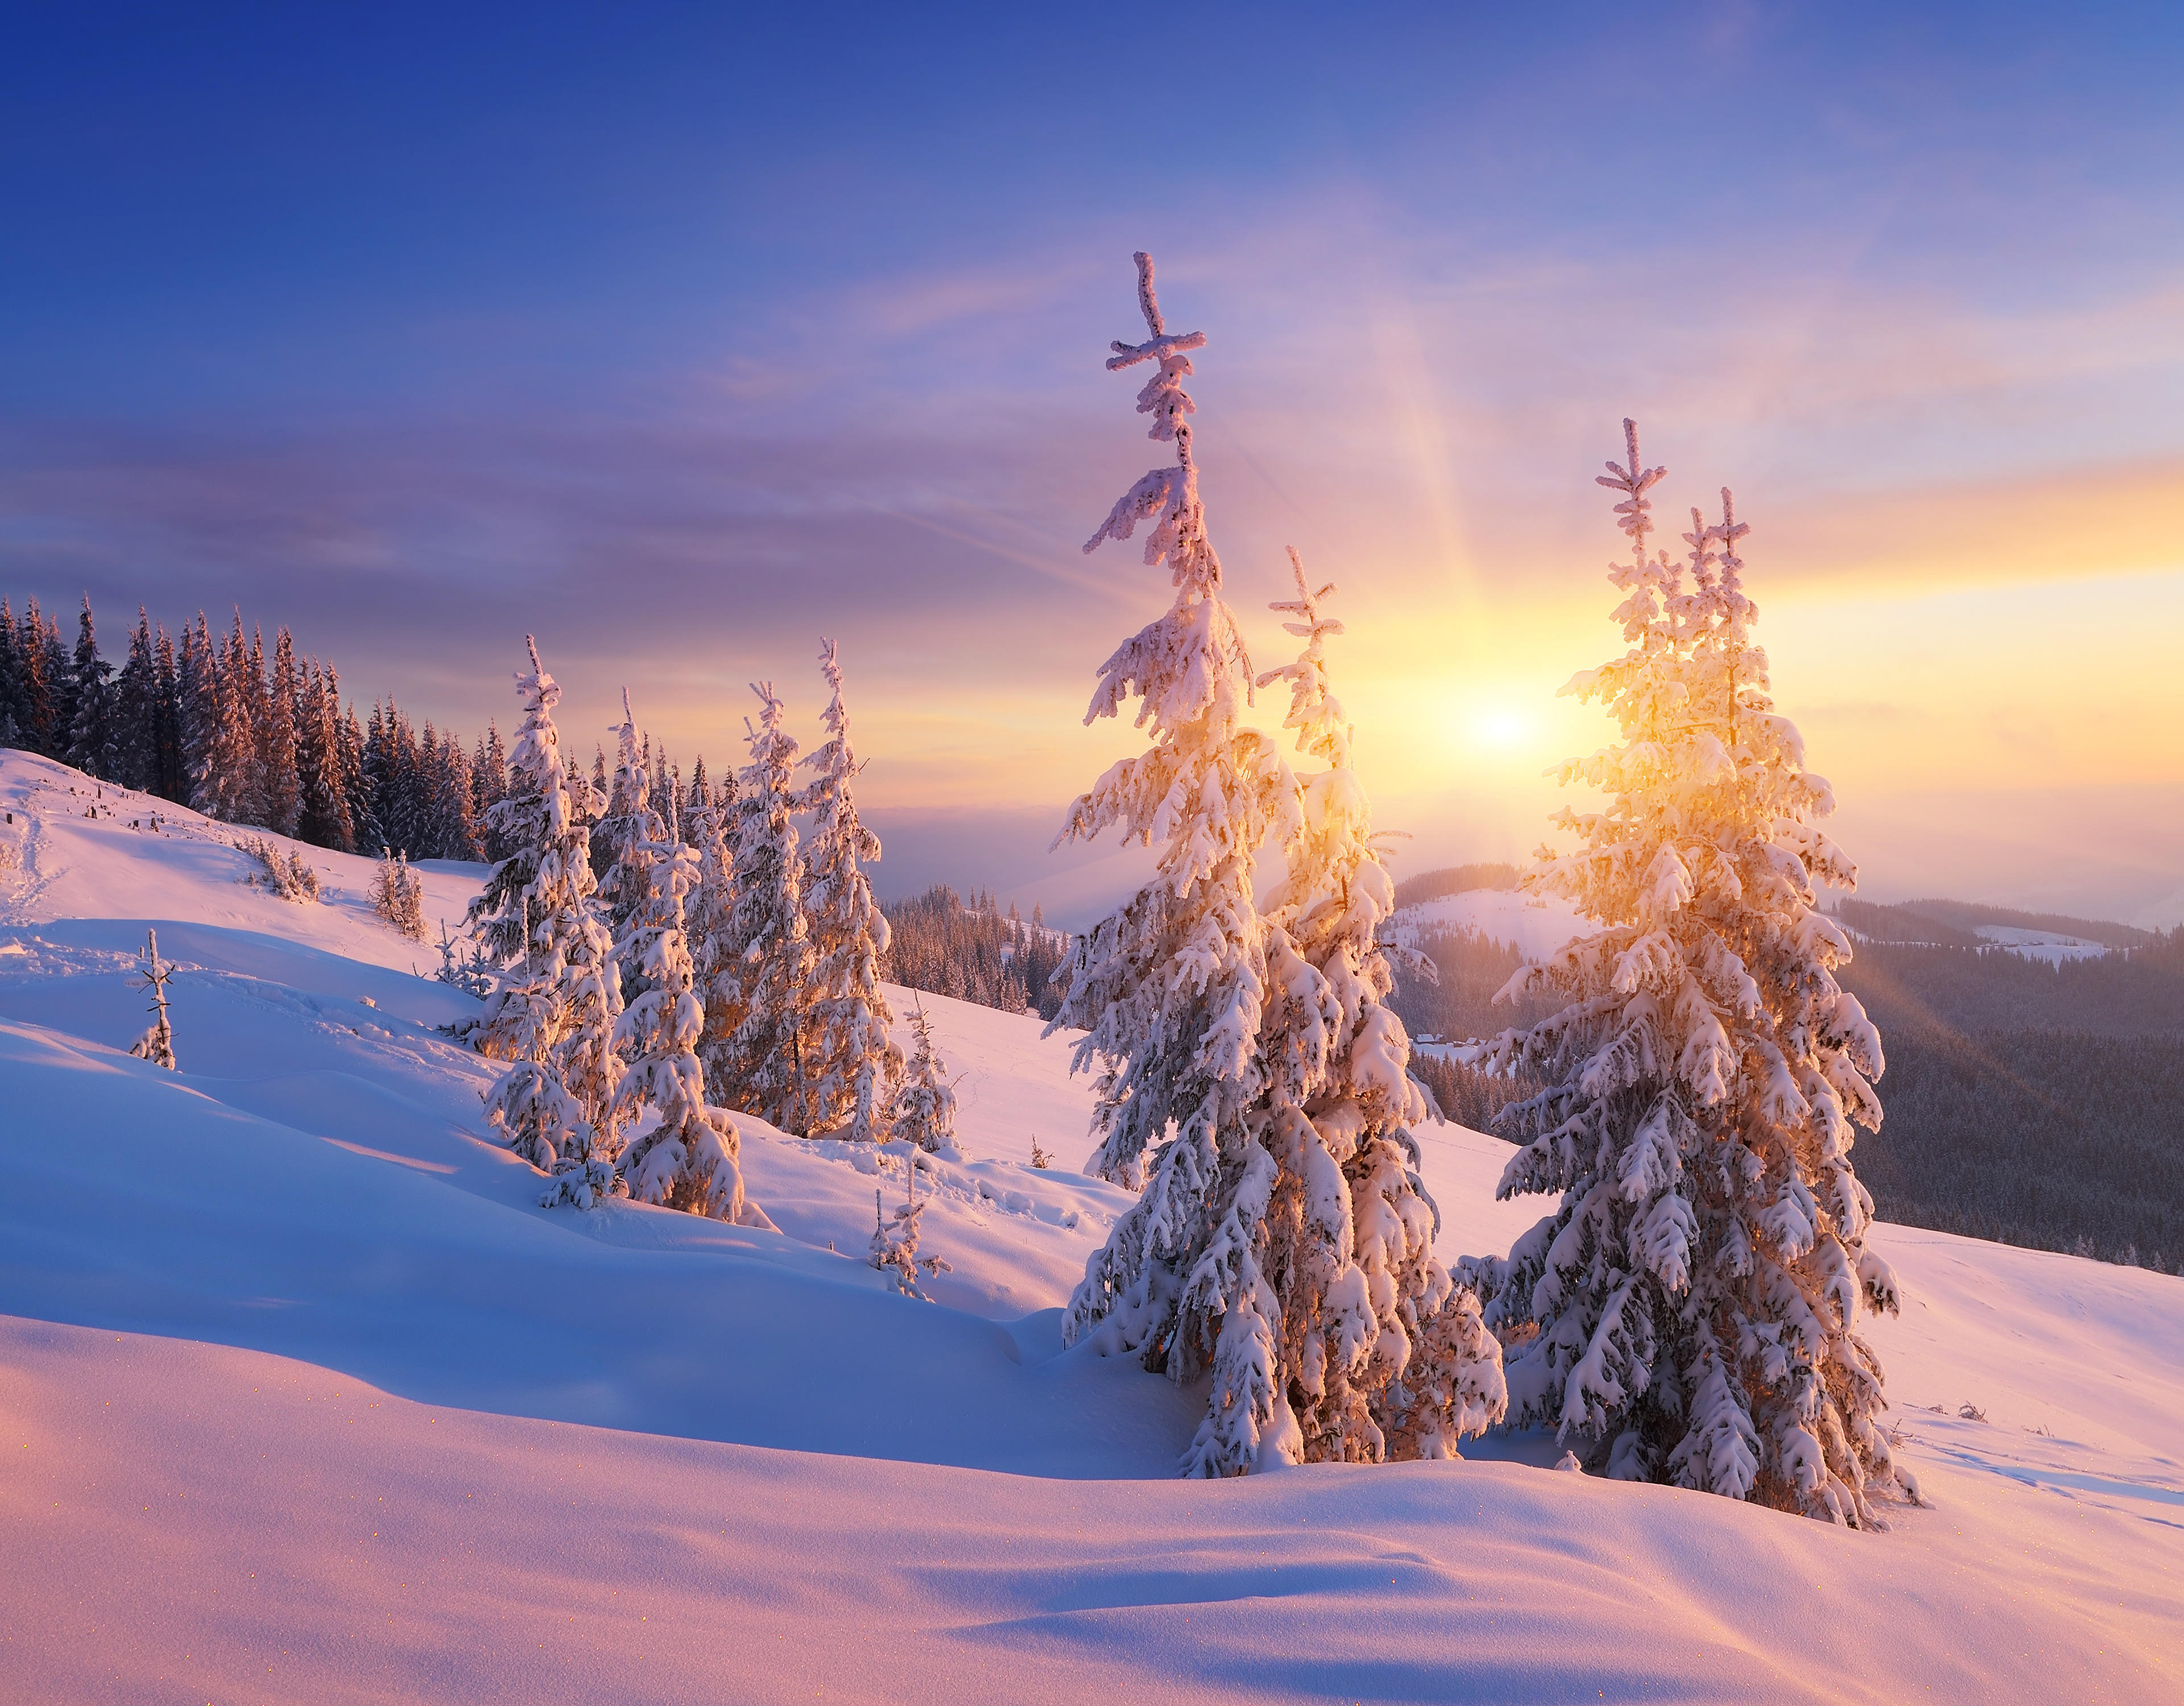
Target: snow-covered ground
x,y
1532,925
302,1397
2051,945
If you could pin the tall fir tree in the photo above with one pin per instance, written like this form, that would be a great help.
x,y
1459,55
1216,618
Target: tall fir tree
x,y
277,741
1170,989
758,1042
197,680
326,820
622,838
11,680
364,827
1380,1354
35,660
688,1159
91,737
554,1014
137,712
232,788
855,1066
173,769
1697,1290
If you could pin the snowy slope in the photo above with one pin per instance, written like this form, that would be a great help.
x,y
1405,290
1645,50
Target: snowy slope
x,y
304,1398
1532,925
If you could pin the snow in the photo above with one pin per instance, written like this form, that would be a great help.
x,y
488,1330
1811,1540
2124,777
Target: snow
x,y
1533,926
303,1396
2050,945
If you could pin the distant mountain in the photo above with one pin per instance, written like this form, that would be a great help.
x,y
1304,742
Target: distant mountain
x,y
1453,879
1968,916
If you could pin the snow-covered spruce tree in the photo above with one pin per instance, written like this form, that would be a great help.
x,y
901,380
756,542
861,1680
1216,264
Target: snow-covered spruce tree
x,y
1169,988
398,893
1379,1353
758,1041
925,1110
853,1067
553,1012
626,835
1697,1293
895,1240
689,1159
157,1044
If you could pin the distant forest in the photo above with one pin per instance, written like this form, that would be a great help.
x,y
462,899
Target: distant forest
x,y
973,952
2033,1104
252,732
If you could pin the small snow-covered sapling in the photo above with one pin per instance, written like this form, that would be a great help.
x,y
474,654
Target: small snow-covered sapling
x,y
157,1044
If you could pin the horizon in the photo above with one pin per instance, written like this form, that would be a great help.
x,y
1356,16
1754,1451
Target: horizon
x,y
416,343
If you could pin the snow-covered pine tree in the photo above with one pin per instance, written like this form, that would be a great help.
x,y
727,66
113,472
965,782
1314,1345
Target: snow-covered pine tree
x,y
90,735
855,1066
172,772
157,1044
1169,989
398,893
325,819
925,1108
709,911
554,1014
758,1042
1377,1353
895,1235
624,838
198,687
277,742
1697,1293
137,712
40,663
229,788
689,1160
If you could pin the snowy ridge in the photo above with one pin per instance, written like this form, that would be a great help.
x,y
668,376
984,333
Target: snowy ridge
x,y
305,1398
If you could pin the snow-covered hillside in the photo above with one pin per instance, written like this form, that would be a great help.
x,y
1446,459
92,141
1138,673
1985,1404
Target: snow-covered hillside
x,y
304,1398
1532,925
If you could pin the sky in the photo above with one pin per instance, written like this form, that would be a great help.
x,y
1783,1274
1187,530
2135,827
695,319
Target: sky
x,y
681,336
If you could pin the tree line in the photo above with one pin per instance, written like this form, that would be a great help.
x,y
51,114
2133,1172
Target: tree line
x,y
249,734
969,949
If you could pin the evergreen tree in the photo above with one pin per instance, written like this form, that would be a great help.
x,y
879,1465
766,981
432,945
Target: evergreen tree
x,y
554,1015
623,839
232,788
325,820
398,895
1696,1292
757,1044
254,701
453,793
172,769
1169,989
854,1066
36,646
91,742
137,712
689,1159
277,742
488,788
197,681
1379,1353
925,1111
11,680
365,827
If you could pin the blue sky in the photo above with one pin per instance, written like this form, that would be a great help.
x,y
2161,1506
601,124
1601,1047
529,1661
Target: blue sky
x,y
682,335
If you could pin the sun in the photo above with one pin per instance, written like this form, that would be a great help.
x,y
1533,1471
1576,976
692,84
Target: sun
x,y
1498,727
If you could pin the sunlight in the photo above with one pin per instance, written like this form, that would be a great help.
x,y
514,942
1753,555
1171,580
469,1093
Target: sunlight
x,y
1498,727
